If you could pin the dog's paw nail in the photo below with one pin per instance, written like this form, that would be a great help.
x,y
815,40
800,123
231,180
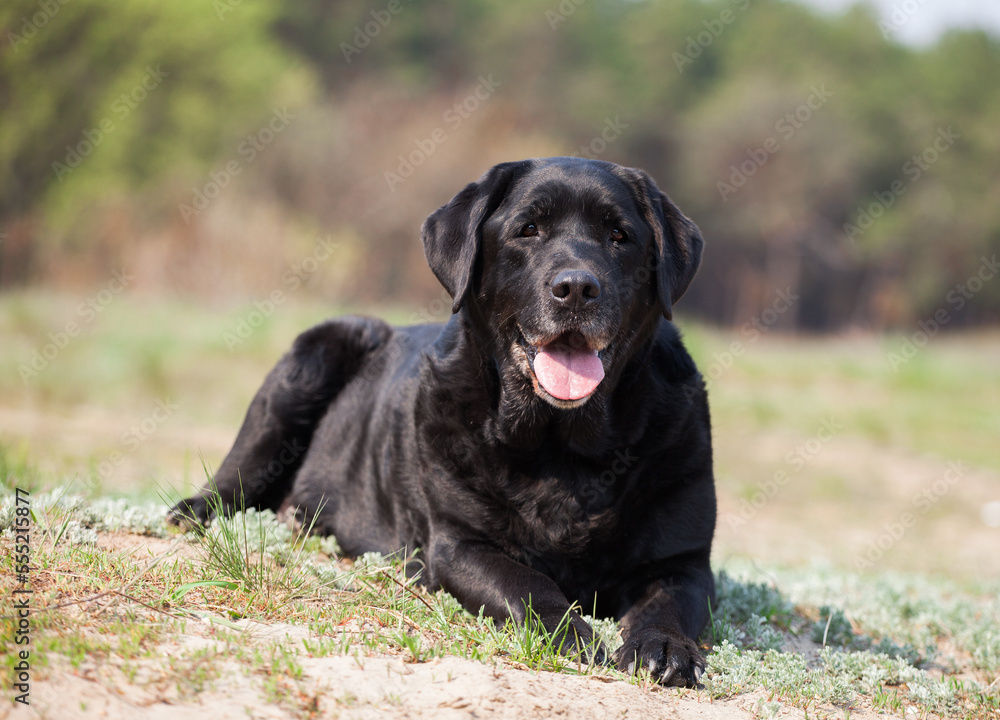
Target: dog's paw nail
x,y
668,675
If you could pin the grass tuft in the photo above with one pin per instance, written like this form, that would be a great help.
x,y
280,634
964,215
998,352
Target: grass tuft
x,y
117,607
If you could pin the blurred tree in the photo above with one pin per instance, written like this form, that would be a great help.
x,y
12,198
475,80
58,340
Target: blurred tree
x,y
818,157
99,97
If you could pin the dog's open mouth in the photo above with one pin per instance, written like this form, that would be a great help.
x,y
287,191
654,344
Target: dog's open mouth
x,y
566,368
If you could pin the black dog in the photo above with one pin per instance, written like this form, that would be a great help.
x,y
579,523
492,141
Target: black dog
x,y
549,445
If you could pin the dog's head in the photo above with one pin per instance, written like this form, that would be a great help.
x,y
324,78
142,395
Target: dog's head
x,y
564,267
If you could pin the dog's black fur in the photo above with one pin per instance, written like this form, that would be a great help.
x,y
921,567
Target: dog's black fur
x,y
441,437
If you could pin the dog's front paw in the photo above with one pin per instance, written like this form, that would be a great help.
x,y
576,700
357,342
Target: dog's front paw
x,y
671,658
577,641
591,653
192,513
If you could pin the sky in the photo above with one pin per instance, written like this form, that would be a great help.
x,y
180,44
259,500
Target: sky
x,y
921,22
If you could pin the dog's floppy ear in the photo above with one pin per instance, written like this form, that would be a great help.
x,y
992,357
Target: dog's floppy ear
x,y
677,242
452,234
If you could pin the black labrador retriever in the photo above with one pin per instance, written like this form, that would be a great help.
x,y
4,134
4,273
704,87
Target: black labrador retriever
x,y
549,445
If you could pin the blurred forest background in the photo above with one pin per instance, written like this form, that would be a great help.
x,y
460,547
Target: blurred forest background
x,y
222,150
171,172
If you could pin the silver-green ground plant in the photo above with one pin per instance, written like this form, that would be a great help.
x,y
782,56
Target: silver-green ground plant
x,y
815,638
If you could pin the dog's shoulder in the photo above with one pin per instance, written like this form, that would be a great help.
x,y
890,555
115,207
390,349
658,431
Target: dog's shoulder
x,y
670,358
678,399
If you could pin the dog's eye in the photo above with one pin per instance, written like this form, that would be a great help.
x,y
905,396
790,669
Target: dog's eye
x,y
617,235
529,230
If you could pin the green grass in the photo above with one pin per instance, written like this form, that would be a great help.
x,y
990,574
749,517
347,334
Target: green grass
x,y
16,468
945,401
813,634
898,643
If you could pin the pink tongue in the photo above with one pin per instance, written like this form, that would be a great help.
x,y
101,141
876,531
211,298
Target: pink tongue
x,y
566,373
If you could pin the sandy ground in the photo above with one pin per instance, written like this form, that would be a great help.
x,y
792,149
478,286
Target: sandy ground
x,y
949,538
196,674
371,687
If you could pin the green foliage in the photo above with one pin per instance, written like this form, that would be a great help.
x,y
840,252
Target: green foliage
x,y
832,628
278,578
747,614
241,549
700,86
67,516
16,470
100,97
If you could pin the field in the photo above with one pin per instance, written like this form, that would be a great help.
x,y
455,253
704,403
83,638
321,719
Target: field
x,y
859,510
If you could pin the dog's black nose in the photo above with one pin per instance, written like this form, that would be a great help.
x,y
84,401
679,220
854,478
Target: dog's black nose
x,y
575,288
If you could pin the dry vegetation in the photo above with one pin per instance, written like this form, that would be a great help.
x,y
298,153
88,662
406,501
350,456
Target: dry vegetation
x,y
248,616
